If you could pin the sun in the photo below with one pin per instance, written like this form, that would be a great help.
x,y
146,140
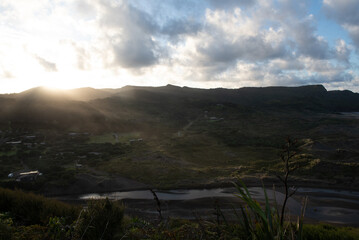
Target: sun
x,y
62,80
60,85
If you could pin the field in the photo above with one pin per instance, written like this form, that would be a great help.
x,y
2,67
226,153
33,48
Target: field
x,y
204,153
175,137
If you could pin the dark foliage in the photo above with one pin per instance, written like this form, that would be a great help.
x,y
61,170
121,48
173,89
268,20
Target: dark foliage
x,y
101,220
29,208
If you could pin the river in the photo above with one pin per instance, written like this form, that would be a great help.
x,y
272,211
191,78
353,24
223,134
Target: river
x,y
324,205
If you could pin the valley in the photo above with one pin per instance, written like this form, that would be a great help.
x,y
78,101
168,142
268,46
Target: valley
x,y
171,137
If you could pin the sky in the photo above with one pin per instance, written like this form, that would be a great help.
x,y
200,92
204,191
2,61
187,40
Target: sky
x,y
195,43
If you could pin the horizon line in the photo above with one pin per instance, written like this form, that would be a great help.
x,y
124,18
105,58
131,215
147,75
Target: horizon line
x,y
167,85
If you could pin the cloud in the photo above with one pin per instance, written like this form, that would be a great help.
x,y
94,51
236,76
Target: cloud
x,y
346,13
342,51
48,66
128,33
131,38
300,27
230,38
309,44
251,48
203,43
6,74
84,8
279,46
175,27
134,52
230,4
83,55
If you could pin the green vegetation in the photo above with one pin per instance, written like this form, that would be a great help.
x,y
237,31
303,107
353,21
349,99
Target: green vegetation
x,y
34,209
101,220
28,216
325,231
115,138
189,137
104,219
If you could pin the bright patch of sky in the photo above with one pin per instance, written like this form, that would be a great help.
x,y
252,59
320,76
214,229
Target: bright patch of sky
x,y
196,43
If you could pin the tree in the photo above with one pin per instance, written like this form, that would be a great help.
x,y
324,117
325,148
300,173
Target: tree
x,y
287,155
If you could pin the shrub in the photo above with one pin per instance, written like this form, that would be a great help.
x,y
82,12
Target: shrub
x,y
328,232
101,220
5,231
34,209
33,232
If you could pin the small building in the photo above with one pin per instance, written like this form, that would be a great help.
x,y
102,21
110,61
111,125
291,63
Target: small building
x,y
135,140
30,137
28,145
78,165
27,176
14,142
95,153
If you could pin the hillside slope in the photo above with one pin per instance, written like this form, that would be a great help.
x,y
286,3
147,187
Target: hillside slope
x,y
102,109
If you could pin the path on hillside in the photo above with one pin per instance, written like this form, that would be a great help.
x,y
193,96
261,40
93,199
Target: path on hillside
x,y
185,128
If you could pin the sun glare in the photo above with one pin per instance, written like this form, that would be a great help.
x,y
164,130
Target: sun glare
x,y
60,85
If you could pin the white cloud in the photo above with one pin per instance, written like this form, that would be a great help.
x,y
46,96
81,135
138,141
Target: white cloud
x,y
342,51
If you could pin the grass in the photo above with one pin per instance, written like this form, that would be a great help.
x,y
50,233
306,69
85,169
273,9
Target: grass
x,y
28,216
110,138
105,138
8,153
34,209
191,159
241,144
329,232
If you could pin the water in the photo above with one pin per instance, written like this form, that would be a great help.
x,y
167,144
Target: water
x,y
329,205
163,195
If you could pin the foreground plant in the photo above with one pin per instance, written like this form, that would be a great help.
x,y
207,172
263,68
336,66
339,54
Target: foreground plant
x,y
265,222
287,155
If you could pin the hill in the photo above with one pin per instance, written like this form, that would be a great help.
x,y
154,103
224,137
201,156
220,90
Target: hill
x,y
178,136
101,109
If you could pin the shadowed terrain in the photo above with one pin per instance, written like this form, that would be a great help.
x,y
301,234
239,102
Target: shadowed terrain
x,y
177,136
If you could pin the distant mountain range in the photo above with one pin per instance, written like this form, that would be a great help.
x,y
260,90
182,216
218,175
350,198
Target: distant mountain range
x,y
131,107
